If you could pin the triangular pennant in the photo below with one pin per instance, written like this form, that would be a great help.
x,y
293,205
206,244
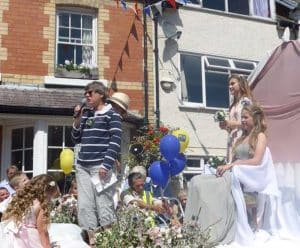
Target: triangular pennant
x,y
133,31
120,64
147,10
172,3
136,7
126,49
158,7
124,5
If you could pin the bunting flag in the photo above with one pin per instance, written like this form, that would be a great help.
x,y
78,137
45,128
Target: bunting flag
x,y
158,7
136,7
147,10
124,5
172,3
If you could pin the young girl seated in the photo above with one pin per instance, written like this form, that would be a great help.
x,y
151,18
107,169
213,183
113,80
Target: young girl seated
x,y
27,216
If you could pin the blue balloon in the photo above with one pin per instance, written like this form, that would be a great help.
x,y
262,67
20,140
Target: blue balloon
x,y
159,173
169,147
177,165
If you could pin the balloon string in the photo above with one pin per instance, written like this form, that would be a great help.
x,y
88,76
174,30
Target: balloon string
x,y
65,184
162,190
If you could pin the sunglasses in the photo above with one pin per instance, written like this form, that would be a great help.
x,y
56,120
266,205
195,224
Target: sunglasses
x,y
90,92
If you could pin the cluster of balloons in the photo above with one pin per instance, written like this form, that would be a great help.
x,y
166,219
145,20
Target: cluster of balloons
x,y
66,160
171,147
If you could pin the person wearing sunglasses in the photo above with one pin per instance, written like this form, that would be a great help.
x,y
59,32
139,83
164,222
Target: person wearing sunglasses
x,y
97,130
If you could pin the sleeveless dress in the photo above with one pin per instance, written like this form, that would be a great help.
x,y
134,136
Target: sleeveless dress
x,y
24,235
274,229
235,115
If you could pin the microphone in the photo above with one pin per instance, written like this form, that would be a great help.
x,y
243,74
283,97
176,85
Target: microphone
x,y
82,105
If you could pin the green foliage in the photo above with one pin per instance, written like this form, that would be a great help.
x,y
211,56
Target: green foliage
x,y
132,229
216,161
64,211
149,140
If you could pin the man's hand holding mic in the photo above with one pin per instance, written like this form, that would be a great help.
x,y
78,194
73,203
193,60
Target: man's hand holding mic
x,y
78,110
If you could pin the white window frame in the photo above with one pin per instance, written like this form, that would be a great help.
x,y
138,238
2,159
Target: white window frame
x,y
79,11
23,149
251,9
63,145
206,65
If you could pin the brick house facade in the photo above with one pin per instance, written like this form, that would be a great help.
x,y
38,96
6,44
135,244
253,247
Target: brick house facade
x,y
36,104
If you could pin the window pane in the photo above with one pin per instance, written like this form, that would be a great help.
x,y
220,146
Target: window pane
x,y
87,37
75,33
63,33
87,22
78,55
53,158
244,65
64,20
29,137
68,140
193,163
17,158
75,21
239,6
55,136
214,4
28,161
219,62
65,51
217,94
17,139
191,67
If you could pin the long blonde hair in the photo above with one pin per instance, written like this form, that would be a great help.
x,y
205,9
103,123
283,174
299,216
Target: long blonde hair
x,y
259,126
38,188
245,90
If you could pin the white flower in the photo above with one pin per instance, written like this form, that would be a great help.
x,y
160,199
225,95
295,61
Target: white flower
x,y
220,115
246,102
67,62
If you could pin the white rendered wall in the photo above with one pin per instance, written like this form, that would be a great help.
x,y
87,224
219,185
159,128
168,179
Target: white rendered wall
x,y
211,33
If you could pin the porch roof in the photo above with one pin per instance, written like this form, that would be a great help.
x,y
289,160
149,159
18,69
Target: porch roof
x,y
19,99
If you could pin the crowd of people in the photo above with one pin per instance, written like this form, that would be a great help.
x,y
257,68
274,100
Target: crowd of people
x,y
97,130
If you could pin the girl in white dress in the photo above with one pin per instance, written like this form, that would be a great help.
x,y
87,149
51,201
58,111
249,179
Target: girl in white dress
x,y
25,222
241,93
253,171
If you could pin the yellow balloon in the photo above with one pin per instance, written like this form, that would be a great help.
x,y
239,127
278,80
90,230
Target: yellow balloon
x,y
66,160
183,138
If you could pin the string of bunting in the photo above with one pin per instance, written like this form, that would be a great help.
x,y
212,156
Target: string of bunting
x,y
147,9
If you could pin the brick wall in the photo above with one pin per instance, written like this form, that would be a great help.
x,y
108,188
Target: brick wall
x,y
24,41
27,44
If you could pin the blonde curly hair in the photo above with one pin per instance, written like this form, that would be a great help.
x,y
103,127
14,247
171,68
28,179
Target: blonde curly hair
x,y
38,188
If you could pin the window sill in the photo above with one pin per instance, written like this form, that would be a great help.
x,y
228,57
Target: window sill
x,y
75,82
198,107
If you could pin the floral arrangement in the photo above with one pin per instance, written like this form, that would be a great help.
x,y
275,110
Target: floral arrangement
x,y
64,210
216,161
144,148
70,66
133,229
220,116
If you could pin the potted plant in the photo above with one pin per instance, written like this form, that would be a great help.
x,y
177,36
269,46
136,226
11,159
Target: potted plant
x,y
72,70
